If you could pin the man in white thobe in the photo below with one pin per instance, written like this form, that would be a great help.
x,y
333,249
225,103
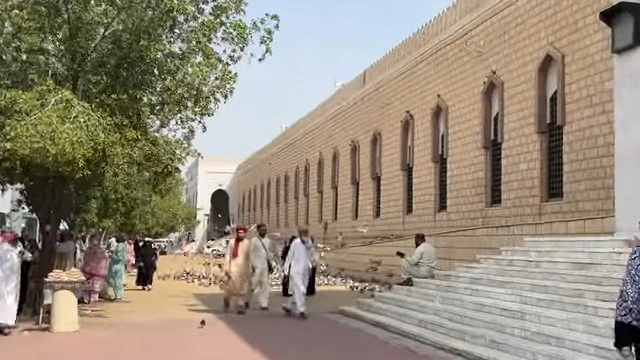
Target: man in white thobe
x,y
297,266
11,256
421,264
260,259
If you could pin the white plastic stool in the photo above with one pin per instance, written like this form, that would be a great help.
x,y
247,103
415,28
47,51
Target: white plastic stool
x,y
64,312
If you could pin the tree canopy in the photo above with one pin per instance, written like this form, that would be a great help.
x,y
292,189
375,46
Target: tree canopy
x,y
100,101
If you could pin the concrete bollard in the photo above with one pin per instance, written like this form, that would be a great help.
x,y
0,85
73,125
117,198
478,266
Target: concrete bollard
x,y
64,312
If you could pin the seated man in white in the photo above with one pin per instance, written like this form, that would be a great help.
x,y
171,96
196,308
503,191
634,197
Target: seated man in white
x,y
420,265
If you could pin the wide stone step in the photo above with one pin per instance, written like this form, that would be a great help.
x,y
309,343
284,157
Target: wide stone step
x,y
581,242
512,345
542,315
575,290
588,254
543,334
544,300
611,267
571,276
428,337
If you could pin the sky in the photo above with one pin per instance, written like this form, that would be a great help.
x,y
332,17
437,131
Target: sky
x,y
320,43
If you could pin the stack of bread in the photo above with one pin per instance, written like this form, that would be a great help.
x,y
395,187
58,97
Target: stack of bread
x,y
73,275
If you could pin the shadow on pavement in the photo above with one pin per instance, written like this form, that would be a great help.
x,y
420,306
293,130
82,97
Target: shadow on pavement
x,y
277,337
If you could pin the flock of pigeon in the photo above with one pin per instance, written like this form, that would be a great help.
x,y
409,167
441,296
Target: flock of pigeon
x,y
209,272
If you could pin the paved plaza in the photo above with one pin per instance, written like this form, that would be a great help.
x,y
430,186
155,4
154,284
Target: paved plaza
x,y
164,324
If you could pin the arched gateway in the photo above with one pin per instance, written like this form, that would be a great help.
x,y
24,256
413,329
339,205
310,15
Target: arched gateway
x,y
219,217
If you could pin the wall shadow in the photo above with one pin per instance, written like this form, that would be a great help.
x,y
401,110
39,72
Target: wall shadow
x,y
278,337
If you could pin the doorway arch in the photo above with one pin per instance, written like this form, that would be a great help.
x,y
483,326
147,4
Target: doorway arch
x,y
219,217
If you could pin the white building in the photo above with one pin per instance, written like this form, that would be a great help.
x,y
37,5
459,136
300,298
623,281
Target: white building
x,y
206,181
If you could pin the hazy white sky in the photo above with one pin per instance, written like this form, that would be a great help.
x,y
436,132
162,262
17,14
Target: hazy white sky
x,y
320,42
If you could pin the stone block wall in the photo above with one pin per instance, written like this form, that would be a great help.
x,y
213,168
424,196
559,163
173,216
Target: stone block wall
x,y
451,58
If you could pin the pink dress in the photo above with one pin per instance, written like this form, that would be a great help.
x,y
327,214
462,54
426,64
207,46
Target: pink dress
x,y
131,256
95,265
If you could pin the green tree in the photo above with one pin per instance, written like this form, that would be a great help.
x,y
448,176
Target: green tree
x,y
152,64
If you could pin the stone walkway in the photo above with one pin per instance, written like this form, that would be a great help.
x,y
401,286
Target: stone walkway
x,y
164,324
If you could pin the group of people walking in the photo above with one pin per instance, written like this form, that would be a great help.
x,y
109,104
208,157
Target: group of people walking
x,y
108,266
249,264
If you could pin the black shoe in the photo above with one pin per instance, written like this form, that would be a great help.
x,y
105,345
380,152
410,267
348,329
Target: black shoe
x,y
264,308
406,282
302,316
241,312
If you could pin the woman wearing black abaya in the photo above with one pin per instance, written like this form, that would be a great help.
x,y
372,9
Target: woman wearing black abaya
x,y
283,256
146,258
311,286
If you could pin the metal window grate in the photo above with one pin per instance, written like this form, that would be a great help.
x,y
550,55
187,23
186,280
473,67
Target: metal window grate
x,y
297,219
378,197
555,156
356,200
496,164
278,215
442,184
409,190
320,205
335,204
306,210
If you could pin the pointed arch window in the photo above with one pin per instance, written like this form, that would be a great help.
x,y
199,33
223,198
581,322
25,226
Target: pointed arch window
x,y
296,195
268,200
262,202
376,173
255,204
335,174
440,151
286,199
242,214
406,160
306,189
550,118
248,207
278,185
492,137
355,178
320,186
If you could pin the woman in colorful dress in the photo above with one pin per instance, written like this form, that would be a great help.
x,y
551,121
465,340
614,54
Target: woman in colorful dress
x,y
117,268
95,269
131,255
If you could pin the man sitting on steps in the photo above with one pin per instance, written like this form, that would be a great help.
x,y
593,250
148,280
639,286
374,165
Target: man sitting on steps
x,y
419,265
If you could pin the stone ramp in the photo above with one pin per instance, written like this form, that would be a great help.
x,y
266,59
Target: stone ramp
x,y
552,299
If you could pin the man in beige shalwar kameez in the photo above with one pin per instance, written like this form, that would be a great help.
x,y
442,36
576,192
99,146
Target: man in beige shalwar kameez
x,y
237,272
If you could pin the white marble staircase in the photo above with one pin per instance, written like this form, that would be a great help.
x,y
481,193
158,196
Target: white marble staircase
x,y
553,299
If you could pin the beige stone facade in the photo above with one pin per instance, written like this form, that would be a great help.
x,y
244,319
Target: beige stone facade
x,y
440,81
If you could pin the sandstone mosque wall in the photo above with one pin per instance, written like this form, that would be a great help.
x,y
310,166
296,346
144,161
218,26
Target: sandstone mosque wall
x,y
482,75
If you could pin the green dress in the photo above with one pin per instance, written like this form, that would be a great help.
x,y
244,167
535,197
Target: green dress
x,y
115,277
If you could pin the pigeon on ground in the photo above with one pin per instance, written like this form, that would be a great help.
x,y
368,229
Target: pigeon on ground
x,y
202,324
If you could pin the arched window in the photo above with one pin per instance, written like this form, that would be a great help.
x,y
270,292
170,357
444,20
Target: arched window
x,y
376,173
262,202
406,160
286,199
320,186
440,151
492,136
268,200
248,219
255,203
296,194
306,186
335,174
550,116
278,184
242,214
355,178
